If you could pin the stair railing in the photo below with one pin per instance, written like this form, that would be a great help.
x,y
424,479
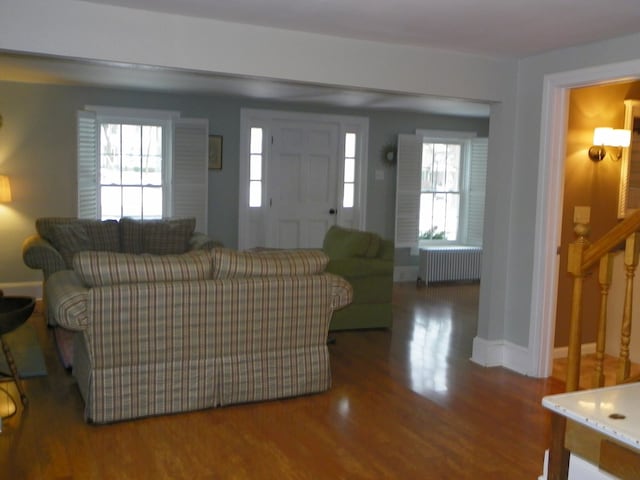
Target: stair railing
x,y
582,260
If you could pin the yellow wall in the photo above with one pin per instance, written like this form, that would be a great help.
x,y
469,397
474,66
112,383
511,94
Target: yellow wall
x,y
589,183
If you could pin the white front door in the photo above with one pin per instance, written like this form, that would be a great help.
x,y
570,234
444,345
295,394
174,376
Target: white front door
x,y
302,183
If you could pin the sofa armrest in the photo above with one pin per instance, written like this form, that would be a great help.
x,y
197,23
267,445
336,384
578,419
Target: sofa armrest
x,y
67,300
39,254
341,292
202,241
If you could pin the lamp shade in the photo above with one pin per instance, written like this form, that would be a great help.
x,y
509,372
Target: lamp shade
x,y
621,137
602,136
611,137
5,189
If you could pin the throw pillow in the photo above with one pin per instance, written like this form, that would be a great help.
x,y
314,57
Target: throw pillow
x,y
69,239
342,242
104,235
163,237
45,225
230,263
131,235
159,237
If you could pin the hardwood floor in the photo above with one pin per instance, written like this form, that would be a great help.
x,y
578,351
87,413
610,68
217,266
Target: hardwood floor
x,y
405,404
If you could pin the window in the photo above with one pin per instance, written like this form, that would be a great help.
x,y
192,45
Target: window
x,y
255,167
142,164
131,170
349,170
440,191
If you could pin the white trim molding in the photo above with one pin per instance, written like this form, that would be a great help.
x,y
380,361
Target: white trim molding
x,y
405,273
500,353
27,289
549,202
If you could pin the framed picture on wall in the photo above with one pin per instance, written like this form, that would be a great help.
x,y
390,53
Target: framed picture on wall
x,y
215,152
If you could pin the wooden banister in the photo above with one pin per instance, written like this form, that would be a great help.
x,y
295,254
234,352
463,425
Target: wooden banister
x,y
583,257
610,240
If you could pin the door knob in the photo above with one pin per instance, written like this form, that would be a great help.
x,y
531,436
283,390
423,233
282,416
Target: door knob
x,y
332,211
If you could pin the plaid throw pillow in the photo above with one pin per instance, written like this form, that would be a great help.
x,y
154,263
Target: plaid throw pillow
x,y
159,237
71,235
69,239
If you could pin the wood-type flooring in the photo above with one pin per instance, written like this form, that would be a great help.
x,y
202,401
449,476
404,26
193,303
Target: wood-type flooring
x,y
406,403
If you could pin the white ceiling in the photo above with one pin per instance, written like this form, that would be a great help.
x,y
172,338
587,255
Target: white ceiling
x,y
514,28
497,28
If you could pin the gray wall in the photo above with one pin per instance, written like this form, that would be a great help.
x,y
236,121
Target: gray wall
x,y
38,149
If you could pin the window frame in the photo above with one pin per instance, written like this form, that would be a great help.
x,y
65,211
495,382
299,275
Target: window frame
x,y
460,191
464,140
167,158
185,172
134,116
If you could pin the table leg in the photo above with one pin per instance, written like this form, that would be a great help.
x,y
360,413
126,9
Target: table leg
x,y
14,371
558,454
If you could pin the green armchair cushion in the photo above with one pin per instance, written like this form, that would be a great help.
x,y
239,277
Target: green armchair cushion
x,y
387,251
342,242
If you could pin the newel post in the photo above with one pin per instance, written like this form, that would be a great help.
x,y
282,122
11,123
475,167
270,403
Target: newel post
x,y
574,267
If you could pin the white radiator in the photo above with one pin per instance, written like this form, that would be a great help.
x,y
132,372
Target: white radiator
x,y
449,263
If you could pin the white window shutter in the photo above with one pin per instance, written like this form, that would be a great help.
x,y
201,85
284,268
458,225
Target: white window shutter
x,y
476,193
409,170
88,191
190,172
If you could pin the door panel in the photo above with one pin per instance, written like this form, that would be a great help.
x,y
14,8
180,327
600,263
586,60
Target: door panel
x,y
302,183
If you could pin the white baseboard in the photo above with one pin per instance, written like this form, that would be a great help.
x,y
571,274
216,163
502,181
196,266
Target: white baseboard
x,y
500,353
27,289
407,273
563,352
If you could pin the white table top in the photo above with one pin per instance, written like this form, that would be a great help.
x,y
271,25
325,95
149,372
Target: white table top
x,y
594,409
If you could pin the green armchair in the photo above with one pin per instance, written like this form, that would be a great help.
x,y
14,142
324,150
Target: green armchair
x,y
366,261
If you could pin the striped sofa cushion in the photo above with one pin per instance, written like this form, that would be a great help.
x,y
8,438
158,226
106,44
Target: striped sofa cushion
x,y
230,263
109,268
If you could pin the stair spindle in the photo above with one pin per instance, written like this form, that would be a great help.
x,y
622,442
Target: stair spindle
x,y
604,279
632,248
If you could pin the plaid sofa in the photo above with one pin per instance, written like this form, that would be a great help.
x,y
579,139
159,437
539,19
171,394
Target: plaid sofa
x,y
58,239
172,333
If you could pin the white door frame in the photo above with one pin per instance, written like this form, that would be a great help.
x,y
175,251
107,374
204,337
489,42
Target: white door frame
x,y
549,201
265,119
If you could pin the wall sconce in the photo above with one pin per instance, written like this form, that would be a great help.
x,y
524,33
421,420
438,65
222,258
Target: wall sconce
x,y
5,189
608,137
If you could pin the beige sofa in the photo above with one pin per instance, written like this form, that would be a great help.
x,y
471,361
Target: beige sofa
x,y
171,333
